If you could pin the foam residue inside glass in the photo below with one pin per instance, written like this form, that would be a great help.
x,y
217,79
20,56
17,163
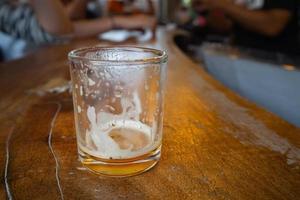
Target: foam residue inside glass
x,y
118,136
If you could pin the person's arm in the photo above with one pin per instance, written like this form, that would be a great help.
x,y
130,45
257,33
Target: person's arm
x,y
77,9
219,22
52,16
135,21
87,28
268,22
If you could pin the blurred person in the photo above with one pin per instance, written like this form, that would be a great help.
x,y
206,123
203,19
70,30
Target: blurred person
x,y
262,24
47,22
80,9
26,21
139,16
131,8
41,21
76,9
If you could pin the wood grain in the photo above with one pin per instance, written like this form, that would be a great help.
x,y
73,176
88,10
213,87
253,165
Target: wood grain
x,y
216,145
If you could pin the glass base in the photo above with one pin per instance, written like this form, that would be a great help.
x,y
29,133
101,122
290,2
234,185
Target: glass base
x,y
120,167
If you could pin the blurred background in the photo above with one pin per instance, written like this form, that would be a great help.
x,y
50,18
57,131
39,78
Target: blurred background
x,y
203,24
251,46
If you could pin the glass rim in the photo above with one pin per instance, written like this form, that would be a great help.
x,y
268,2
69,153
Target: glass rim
x,y
159,56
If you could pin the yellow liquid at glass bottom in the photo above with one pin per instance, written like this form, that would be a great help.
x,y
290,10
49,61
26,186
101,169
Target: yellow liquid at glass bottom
x,y
123,167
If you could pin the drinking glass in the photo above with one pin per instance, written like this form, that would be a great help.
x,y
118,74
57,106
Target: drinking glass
x,y
118,106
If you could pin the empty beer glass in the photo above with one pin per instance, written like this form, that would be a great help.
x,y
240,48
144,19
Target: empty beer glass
x,y
118,105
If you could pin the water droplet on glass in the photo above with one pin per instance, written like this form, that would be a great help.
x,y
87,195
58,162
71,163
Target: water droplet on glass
x,y
91,82
81,91
93,96
110,108
89,72
118,91
128,108
146,87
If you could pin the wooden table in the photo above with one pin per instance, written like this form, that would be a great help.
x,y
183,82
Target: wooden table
x,y
216,144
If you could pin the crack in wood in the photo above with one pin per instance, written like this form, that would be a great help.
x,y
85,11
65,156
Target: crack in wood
x,y
59,106
7,189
